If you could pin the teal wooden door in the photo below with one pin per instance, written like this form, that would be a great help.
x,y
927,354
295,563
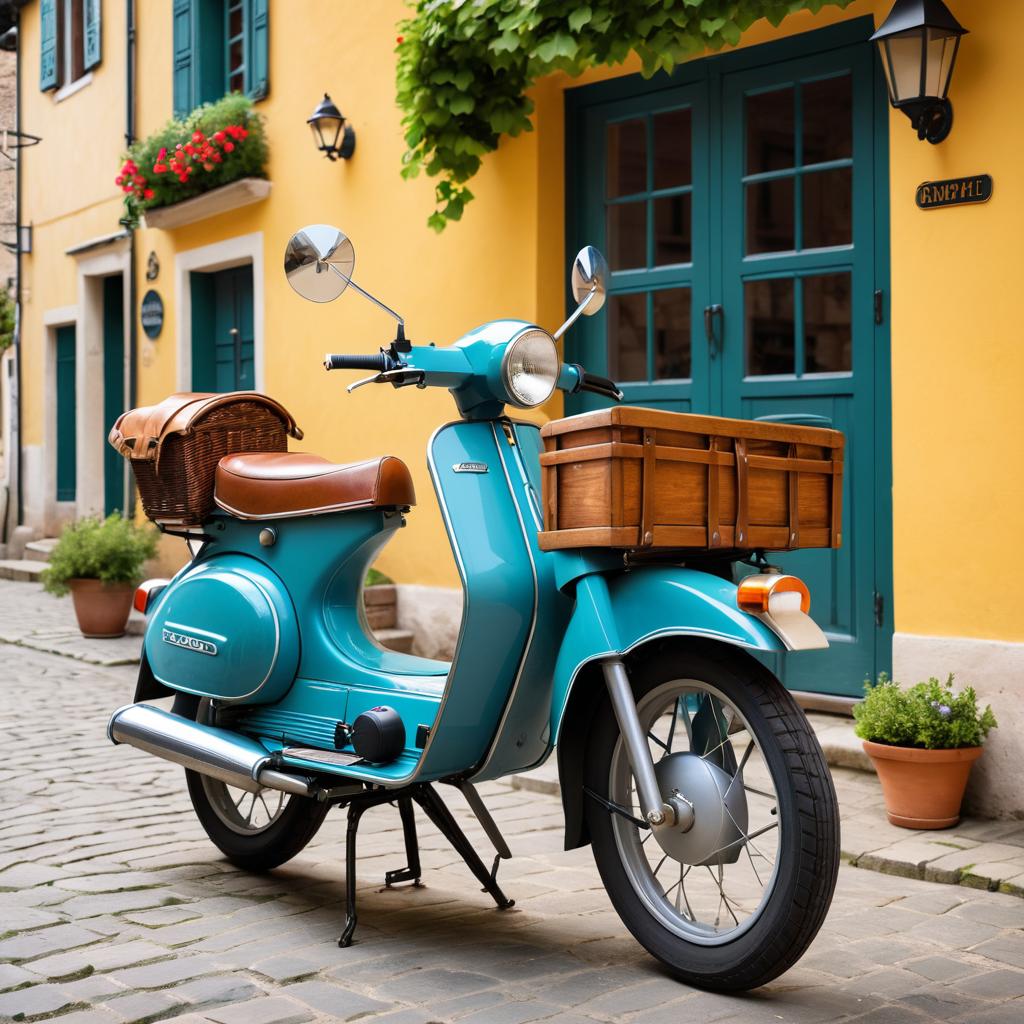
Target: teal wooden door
x,y
67,404
113,390
223,338
648,201
788,245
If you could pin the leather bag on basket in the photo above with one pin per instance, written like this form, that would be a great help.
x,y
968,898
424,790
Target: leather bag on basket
x,y
174,446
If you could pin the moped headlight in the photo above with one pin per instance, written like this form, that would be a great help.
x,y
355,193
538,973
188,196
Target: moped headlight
x,y
529,368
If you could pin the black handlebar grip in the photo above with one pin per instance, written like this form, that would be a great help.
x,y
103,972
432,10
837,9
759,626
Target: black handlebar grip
x,y
380,362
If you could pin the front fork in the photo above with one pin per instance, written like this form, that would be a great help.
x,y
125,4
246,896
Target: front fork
x,y
659,812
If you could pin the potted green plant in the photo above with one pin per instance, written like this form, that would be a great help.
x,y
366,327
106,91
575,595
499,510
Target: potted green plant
x,y
923,742
100,562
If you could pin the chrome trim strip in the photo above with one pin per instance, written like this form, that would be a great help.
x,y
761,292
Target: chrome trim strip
x,y
536,601
322,510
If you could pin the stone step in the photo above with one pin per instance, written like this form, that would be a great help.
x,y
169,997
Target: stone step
x,y
21,570
395,639
40,550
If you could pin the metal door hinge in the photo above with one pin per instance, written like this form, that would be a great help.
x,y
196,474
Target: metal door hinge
x,y
879,312
879,609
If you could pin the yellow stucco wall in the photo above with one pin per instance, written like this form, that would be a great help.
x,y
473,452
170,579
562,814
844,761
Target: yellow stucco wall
x,y
957,352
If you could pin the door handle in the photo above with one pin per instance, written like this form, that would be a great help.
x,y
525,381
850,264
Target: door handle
x,y
714,342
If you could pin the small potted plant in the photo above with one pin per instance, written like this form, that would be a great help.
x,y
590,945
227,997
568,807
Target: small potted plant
x,y
922,741
100,562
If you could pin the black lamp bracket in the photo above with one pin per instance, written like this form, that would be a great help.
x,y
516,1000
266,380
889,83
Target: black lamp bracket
x,y
931,118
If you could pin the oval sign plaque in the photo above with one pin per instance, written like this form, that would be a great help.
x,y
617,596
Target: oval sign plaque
x,y
954,191
151,313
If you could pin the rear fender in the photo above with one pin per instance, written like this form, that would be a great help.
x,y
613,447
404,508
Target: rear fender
x,y
619,614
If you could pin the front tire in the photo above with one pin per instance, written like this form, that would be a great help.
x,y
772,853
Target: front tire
x,y
766,820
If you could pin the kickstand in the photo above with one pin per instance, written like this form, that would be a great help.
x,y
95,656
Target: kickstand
x,y
426,796
355,812
411,872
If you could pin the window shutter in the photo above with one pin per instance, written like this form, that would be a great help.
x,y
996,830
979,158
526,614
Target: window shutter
x,y
91,33
259,50
181,36
48,44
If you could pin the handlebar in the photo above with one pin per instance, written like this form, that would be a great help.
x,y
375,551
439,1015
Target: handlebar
x,y
380,362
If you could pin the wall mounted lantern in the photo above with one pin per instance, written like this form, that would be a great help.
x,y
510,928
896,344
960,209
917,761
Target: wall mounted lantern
x,y
918,43
328,124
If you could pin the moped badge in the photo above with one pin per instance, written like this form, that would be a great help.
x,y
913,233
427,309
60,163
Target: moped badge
x,y
189,643
470,467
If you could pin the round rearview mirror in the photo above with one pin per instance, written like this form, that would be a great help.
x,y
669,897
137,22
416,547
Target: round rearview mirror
x,y
590,278
319,261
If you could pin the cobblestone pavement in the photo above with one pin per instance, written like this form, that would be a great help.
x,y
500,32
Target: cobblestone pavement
x,y
114,907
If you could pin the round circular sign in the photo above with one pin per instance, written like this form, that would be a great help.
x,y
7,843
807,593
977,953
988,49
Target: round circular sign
x,y
152,313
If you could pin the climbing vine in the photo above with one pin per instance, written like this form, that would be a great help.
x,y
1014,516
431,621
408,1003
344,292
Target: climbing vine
x,y
464,66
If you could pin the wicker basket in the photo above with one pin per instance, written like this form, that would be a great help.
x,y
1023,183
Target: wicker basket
x,y
174,447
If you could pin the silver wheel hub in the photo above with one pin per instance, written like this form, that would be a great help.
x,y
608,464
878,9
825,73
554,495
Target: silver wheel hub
x,y
710,833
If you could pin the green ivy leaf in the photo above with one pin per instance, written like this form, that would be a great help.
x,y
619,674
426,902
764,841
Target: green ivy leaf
x,y
465,66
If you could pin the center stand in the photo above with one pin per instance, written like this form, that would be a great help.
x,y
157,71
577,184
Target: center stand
x,y
436,810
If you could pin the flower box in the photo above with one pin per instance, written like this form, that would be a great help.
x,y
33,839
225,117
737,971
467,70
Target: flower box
x,y
219,200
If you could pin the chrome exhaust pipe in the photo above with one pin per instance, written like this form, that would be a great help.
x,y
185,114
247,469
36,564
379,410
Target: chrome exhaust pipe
x,y
237,760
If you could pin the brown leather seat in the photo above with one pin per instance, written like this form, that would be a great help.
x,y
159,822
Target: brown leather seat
x,y
270,485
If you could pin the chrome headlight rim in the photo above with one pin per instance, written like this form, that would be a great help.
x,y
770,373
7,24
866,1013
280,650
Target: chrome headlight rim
x,y
513,397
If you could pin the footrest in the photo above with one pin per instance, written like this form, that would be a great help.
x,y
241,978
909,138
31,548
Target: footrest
x,y
334,758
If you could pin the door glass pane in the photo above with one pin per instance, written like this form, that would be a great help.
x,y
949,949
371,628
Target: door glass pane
x,y
768,322
828,332
671,333
627,235
672,159
828,120
627,158
627,337
770,131
828,208
770,216
672,224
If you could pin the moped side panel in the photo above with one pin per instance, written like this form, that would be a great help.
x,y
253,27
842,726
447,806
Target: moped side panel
x,y
617,612
226,629
523,738
499,582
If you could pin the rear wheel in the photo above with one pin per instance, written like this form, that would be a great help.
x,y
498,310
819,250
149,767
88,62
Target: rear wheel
x,y
256,831
734,900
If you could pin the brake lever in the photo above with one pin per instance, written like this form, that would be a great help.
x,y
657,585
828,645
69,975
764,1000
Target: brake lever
x,y
395,377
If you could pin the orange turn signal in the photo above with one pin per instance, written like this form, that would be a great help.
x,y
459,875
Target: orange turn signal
x,y
754,593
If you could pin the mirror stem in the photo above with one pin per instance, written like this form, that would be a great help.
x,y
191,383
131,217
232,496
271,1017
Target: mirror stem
x,y
577,313
367,295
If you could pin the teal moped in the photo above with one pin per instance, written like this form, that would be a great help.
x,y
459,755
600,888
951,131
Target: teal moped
x,y
683,762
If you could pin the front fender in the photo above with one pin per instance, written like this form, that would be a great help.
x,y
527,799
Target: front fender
x,y
616,613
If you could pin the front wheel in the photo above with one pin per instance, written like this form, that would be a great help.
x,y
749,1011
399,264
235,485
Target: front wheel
x,y
735,899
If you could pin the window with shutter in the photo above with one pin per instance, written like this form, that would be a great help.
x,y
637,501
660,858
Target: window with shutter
x,y
70,41
220,46
48,44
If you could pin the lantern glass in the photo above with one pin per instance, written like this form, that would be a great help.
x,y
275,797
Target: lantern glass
x,y
326,131
941,54
903,65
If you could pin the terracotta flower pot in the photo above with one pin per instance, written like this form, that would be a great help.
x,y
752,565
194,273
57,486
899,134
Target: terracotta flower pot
x,y
102,609
922,788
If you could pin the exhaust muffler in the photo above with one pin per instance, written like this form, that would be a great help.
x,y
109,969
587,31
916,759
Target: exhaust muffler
x,y
236,760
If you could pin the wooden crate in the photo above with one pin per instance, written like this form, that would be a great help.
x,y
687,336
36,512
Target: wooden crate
x,y
638,478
